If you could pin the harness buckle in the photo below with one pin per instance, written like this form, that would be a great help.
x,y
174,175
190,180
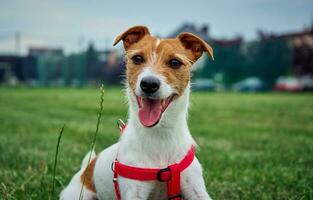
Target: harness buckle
x,y
164,170
121,124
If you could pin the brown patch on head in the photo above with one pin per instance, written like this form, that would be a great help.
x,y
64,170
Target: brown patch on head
x,y
144,48
87,176
132,35
178,78
195,44
156,54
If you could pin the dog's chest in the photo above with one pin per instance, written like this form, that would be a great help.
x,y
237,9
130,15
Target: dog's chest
x,y
159,191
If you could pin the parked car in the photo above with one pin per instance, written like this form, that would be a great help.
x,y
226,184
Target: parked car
x,y
251,84
307,82
203,85
289,84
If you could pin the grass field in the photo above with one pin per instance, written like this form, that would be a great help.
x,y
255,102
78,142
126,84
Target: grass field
x,y
253,146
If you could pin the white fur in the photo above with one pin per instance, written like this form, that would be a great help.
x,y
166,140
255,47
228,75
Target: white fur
x,y
156,147
165,89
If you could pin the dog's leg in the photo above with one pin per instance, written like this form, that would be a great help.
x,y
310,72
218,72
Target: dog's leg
x,y
134,190
192,183
72,191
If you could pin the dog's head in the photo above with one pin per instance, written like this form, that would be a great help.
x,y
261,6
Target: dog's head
x,y
158,70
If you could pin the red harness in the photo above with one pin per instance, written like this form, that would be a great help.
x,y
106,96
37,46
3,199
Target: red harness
x,y
170,175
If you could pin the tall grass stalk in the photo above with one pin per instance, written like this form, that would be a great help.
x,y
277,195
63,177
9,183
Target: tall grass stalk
x,y
94,137
55,162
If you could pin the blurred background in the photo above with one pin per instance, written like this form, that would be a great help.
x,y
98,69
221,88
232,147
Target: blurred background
x,y
259,45
54,55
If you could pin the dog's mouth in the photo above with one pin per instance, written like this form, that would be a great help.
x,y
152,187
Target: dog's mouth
x,y
151,110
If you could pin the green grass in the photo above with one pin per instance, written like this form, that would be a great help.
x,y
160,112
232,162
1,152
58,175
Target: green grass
x,y
253,146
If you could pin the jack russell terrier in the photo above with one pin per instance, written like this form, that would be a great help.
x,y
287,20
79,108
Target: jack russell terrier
x,y
154,158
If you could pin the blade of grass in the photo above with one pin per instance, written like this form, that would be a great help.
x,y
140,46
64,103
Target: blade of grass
x,y
56,161
94,137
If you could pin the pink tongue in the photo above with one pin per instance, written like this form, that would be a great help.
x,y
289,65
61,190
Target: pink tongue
x,y
150,112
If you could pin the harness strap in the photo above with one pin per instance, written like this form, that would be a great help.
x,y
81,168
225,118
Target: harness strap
x,y
116,188
170,175
173,185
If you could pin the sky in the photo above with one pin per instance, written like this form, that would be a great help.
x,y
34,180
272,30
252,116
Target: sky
x,y
73,24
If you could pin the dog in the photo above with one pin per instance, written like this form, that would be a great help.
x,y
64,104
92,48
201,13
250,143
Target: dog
x,y
158,73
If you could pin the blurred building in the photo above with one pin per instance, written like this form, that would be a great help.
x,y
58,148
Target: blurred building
x,y
49,67
269,57
302,49
103,66
201,31
39,51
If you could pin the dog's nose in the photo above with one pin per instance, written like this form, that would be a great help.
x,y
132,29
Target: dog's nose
x,y
150,84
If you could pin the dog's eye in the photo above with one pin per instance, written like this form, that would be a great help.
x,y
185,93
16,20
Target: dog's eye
x,y
174,63
137,59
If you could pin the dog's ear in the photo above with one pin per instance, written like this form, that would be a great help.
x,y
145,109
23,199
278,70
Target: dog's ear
x,y
132,35
195,44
